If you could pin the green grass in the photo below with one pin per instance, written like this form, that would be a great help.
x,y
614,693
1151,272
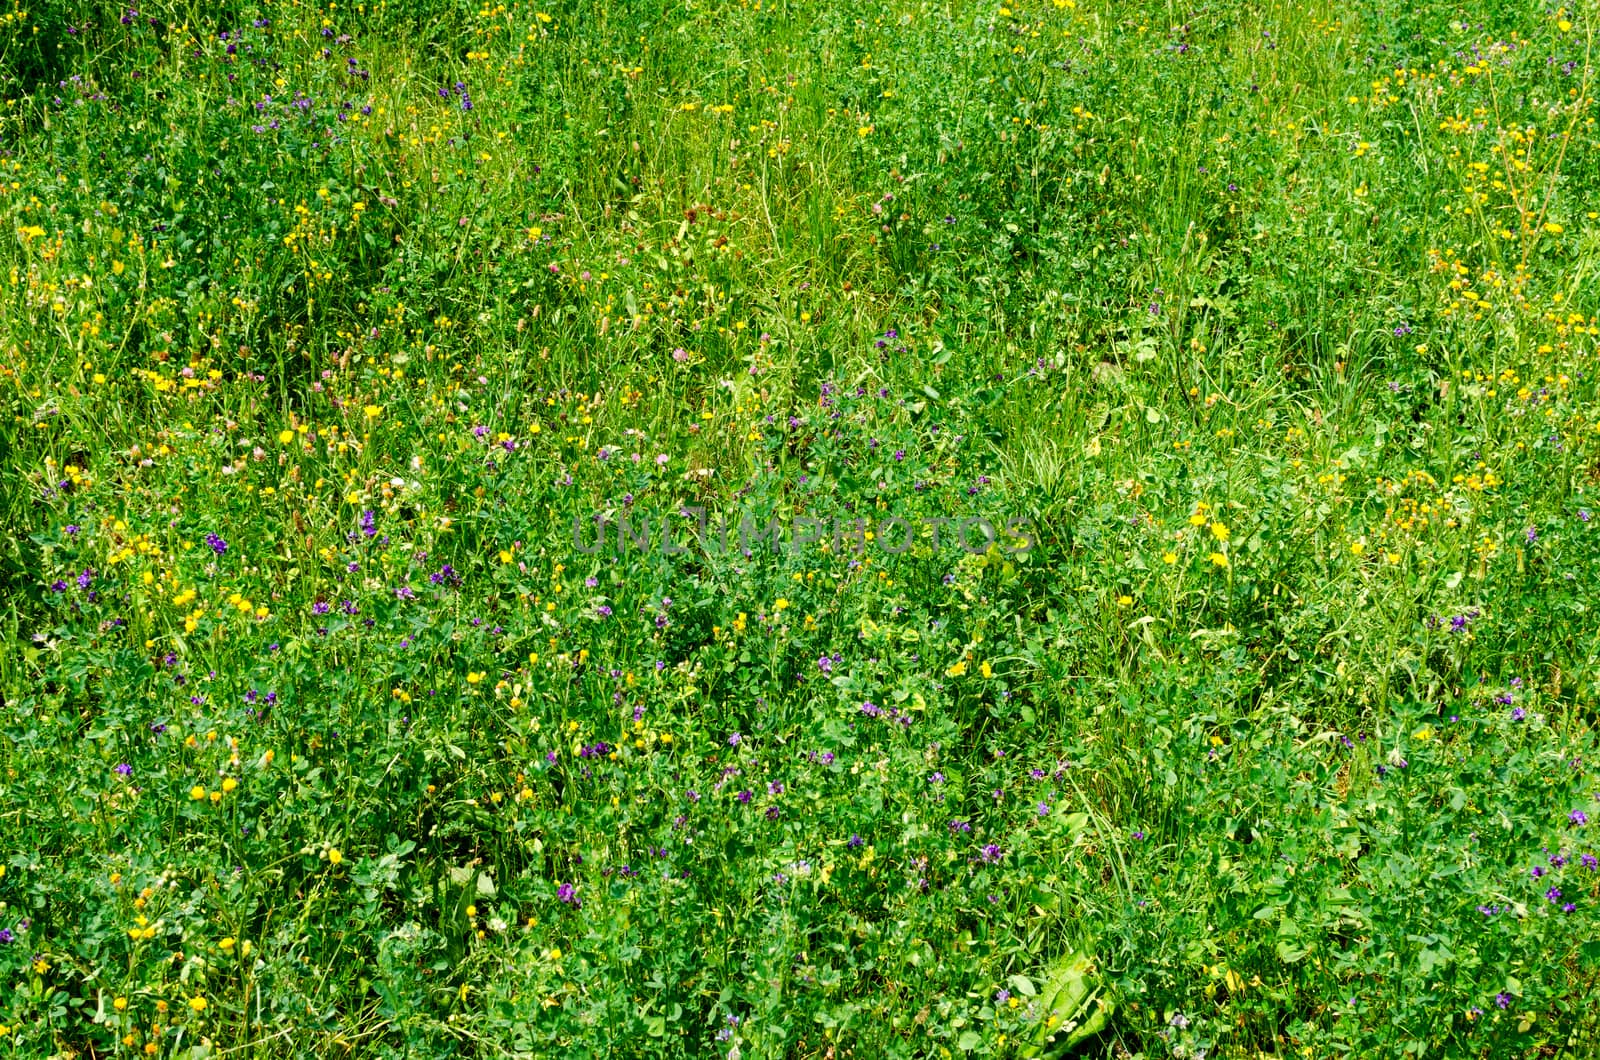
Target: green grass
x,y
322,325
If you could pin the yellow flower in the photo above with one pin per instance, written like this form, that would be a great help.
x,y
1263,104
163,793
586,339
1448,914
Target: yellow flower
x,y
472,910
1424,734
781,604
285,436
334,856
120,1004
1219,559
1357,547
197,1003
957,670
30,231
197,792
225,945
373,412
229,784
1219,531
1169,558
986,670
1124,601
474,677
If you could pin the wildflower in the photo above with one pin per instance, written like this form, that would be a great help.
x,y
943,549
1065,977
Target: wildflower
x,y
218,545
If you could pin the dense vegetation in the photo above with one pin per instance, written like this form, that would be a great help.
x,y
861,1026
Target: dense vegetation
x,y
329,332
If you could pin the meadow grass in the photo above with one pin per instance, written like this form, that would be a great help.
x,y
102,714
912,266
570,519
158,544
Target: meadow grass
x,y
328,331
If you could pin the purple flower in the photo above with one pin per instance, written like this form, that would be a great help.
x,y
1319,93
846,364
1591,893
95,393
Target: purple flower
x,y
1578,817
733,739
1589,862
369,523
745,796
855,841
6,936
124,769
990,853
569,894
1553,894
218,545
1044,809
86,578
1503,999
1517,714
